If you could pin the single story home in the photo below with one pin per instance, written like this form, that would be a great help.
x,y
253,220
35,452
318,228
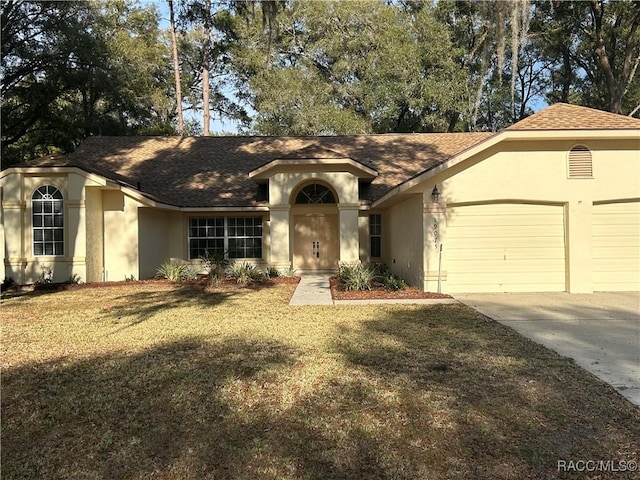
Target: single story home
x,y
551,203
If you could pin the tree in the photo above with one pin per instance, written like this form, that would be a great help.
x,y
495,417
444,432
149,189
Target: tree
x,y
348,67
73,69
492,38
176,66
593,51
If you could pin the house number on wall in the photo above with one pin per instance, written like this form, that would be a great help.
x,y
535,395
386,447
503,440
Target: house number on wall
x,y
436,234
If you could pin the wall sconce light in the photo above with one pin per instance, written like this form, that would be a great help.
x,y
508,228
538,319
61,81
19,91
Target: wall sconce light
x,y
435,194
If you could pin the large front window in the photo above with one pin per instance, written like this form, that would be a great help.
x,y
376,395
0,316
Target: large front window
x,y
47,221
235,237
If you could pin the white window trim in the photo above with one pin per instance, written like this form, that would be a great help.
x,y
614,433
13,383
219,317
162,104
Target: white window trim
x,y
43,228
226,237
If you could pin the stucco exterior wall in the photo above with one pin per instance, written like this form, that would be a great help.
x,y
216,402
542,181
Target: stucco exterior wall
x,y
120,236
162,235
404,234
536,172
19,260
95,235
284,185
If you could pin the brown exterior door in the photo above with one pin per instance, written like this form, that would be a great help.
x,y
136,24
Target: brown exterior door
x,y
315,242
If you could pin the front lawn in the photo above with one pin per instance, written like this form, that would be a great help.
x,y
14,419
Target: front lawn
x,y
172,382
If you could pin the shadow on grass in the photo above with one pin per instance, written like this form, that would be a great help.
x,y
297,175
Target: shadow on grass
x,y
514,408
129,416
428,393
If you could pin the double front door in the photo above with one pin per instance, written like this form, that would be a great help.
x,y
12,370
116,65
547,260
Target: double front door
x,y
316,242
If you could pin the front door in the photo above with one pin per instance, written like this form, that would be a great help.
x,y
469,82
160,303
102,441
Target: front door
x,y
316,242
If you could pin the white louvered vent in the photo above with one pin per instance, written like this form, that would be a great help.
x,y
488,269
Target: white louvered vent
x,y
580,165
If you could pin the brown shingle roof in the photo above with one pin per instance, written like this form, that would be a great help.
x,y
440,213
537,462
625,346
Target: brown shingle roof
x,y
213,171
562,116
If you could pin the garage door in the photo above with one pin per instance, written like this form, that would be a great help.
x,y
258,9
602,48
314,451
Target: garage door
x,y
616,247
505,248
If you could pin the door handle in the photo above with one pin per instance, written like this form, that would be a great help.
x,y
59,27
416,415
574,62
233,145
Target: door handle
x,y
318,250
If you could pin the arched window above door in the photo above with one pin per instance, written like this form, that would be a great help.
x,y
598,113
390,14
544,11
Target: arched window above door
x,y
315,194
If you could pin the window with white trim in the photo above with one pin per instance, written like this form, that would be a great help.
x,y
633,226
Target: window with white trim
x,y
235,237
375,235
580,162
47,218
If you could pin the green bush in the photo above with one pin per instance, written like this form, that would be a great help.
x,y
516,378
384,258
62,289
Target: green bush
x,y
74,279
215,264
357,276
391,282
244,272
46,276
388,280
271,272
176,272
289,272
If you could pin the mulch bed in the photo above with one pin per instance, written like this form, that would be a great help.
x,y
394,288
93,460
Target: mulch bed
x,y
201,281
378,292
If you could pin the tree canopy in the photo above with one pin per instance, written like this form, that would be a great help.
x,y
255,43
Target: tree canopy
x,y
71,69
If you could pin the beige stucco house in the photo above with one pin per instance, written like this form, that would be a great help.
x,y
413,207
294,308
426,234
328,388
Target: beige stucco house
x,y
551,203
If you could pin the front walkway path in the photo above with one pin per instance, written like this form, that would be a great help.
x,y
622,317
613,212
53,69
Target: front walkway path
x,y
313,289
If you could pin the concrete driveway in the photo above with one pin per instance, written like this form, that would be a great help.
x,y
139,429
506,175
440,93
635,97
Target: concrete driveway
x,y
600,331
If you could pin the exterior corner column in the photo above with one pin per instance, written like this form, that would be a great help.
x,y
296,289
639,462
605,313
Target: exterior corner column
x,y
279,235
349,232
434,226
76,238
579,246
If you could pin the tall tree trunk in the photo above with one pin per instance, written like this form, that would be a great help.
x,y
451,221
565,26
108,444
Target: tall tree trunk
x,y
205,67
176,68
617,77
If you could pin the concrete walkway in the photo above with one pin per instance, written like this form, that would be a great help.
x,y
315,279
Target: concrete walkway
x,y
313,289
600,331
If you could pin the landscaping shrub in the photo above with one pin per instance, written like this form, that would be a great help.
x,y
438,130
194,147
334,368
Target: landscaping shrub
x,y
391,282
357,276
176,272
388,280
244,272
46,276
215,264
289,272
74,279
271,272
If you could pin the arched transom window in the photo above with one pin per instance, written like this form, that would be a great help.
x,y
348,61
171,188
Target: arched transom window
x,y
47,221
315,193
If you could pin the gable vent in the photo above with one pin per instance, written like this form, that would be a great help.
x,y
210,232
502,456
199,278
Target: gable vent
x,y
580,162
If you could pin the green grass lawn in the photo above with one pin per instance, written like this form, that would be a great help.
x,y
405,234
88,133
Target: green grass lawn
x,y
161,381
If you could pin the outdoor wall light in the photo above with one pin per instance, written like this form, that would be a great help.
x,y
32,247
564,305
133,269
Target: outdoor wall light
x,y
435,194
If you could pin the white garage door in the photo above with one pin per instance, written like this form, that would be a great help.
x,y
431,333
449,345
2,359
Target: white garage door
x,y
616,247
505,248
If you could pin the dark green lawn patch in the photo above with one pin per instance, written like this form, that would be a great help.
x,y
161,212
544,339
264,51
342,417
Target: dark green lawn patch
x,y
169,381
